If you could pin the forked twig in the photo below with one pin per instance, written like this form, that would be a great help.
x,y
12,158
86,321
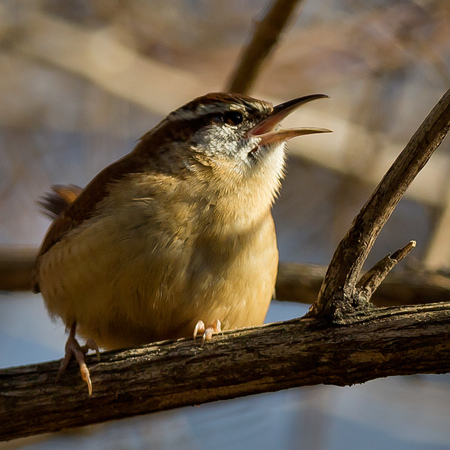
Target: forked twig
x,y
340,290
370,281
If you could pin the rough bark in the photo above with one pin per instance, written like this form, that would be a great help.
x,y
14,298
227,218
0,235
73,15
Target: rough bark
x,y
301,352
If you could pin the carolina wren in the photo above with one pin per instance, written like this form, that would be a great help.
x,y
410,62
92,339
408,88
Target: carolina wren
x,y
177,232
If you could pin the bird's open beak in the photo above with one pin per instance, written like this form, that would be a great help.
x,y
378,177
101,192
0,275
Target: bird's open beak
x,y
265,130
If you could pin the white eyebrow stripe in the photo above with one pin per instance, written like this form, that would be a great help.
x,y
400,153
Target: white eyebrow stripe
x,y
203,110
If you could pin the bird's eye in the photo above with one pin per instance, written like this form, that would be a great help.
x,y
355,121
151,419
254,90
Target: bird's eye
x,y
233,117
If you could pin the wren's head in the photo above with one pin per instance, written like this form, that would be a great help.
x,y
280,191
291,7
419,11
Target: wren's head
x,y
230,142
219,156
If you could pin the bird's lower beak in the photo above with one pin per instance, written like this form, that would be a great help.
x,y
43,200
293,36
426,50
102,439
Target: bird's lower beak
x,y
265,130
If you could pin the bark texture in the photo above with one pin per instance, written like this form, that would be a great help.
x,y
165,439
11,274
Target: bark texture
x,y
301,352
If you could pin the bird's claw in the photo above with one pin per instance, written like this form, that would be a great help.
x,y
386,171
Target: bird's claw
x,y
91,345
207,331
73,348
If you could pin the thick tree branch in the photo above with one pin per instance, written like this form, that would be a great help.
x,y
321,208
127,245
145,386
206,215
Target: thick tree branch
x,y
339,290
302,352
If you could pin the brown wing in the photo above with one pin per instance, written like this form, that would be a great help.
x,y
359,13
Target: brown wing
x,y
84,205
78,208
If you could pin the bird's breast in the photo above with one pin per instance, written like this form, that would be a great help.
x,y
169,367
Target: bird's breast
x,y
147,272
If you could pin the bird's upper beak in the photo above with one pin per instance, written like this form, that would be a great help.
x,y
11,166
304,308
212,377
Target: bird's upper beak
x,y
265,130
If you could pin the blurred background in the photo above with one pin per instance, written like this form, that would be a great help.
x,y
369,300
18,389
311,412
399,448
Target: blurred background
x,y
80,81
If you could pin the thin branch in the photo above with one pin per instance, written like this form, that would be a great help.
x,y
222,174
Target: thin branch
x,y
339,287
372,279
265,37
302,352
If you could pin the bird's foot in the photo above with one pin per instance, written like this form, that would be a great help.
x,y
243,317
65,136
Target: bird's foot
x,y
207,331
73,348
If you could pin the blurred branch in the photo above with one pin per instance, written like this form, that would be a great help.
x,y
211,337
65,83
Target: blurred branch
x,y
16,266
265,37
385,342
98,57
301,283
438,254
295,283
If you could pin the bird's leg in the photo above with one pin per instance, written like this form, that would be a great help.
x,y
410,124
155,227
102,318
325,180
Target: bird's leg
x,y
207,331
73,348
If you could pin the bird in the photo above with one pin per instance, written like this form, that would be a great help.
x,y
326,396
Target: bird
x,y
177,237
